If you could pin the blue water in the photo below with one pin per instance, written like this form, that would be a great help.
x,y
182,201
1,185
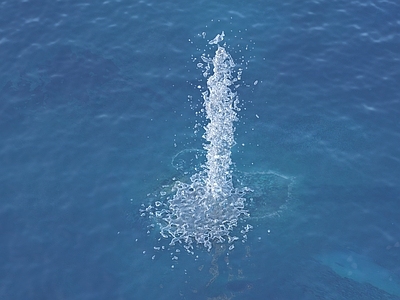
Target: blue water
x,y
94,105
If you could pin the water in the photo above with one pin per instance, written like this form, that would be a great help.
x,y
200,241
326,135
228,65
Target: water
x,y
207,209
99,99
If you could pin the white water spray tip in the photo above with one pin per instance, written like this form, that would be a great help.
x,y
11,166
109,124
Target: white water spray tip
x,y
218,38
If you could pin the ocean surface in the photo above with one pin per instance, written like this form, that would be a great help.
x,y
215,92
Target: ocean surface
x,y
99,101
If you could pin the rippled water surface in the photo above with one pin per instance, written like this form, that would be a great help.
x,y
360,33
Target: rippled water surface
x,y
98,109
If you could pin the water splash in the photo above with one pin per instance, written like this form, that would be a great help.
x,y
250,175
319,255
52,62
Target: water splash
x,y
220,105
208,208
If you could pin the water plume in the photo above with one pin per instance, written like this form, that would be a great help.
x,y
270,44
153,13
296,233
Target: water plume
x,y
207,209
